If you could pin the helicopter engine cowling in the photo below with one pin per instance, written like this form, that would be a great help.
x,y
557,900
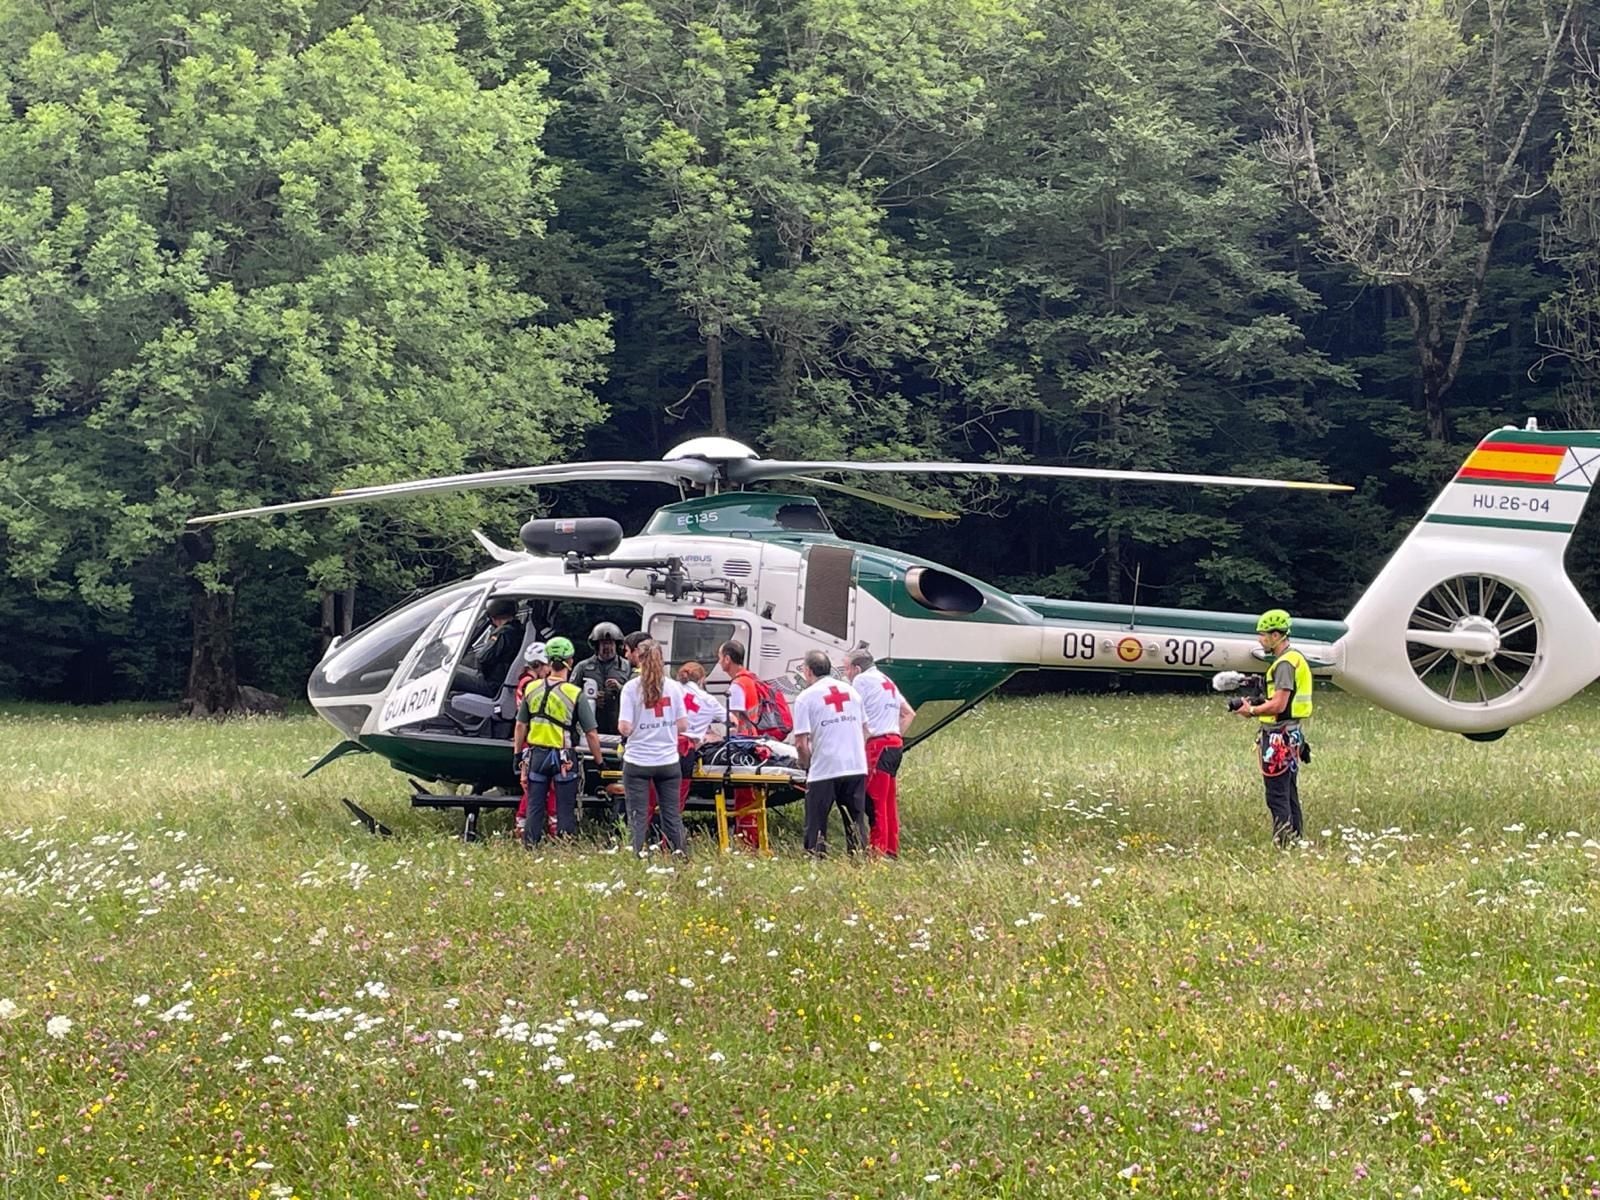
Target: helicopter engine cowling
x,y
571,535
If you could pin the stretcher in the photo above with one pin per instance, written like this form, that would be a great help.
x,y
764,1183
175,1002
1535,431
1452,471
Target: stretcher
x,y
778,780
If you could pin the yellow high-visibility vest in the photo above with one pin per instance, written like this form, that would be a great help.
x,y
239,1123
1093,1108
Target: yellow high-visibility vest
x,y
552,709
1300,706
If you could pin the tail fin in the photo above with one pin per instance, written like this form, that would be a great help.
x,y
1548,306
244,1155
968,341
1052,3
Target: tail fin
x,y
1473,624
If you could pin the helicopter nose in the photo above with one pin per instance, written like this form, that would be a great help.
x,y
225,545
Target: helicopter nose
x,y
347,718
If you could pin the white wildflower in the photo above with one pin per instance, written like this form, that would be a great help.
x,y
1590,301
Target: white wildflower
x,y
58,1027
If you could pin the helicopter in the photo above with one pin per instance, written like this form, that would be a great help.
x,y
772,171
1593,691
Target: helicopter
x,y
1458,631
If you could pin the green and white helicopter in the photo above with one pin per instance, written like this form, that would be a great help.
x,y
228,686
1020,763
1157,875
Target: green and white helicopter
x,y
1459,631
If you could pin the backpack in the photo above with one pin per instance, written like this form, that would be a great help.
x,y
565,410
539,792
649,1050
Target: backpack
x,y
771,716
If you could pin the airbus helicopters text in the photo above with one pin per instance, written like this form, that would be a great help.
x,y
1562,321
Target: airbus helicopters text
x,y
1456,631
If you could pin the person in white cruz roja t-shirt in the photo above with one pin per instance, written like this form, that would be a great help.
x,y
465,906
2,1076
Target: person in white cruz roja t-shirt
x,y
830,731
652,718
889,715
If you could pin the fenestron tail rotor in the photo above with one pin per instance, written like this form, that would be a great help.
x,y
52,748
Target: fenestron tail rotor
x,y
1473,639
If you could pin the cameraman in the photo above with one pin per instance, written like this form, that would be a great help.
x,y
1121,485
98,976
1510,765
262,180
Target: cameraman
x,y
1281,742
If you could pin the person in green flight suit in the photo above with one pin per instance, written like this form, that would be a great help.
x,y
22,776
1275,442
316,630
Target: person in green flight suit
x,y
603,673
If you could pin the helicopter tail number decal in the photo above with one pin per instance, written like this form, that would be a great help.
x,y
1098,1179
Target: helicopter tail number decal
x,y
1473,624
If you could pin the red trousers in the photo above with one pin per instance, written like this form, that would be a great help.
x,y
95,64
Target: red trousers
x,y
883,797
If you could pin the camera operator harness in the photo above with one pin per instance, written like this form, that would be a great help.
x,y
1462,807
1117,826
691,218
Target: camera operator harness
x,y
1282,739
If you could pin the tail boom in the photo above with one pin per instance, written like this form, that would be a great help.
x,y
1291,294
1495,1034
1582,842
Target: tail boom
x,y
1473,625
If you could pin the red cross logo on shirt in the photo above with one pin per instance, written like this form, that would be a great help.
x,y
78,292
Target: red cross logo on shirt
x,y
689,702
835,699
888,685
661,706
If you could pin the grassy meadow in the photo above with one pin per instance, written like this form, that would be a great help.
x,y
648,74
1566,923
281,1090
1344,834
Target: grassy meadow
x,y
1089,975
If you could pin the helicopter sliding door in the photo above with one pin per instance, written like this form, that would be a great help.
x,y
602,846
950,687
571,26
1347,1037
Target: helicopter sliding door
x,y
827,593
422,684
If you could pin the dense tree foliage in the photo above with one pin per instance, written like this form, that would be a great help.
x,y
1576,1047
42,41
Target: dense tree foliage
x,y
253,250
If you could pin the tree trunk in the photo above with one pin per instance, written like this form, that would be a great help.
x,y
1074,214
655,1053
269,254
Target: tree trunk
x,y
1114,551
347,616
1434,367
327,629
213,687
213,679
719,397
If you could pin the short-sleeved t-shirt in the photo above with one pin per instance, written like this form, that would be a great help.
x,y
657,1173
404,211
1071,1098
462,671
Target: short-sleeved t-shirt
x,y
881,699
1283,681
830,711
653,741
743,698
703,709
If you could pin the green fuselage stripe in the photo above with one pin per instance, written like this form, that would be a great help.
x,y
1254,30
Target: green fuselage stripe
x,y
1496,523
1546,437
1537,487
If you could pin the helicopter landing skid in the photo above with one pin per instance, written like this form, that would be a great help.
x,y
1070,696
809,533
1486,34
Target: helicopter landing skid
x,y
374,826
470,803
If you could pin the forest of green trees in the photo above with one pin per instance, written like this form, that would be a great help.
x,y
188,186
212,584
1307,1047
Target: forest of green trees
x,y
254,250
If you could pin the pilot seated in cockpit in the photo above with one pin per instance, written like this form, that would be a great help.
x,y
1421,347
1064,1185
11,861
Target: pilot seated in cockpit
x,y
496,653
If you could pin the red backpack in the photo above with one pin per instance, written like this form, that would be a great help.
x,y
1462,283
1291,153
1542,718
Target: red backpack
x,y
771,716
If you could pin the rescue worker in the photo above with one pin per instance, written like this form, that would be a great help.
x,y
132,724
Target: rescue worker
x,y
830,731
603,673
743,699
1281,741
535,666
889,715
652,719
549,718
707,717
497,654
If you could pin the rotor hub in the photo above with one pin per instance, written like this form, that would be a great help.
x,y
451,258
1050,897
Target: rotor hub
x,y
710,449
1483,627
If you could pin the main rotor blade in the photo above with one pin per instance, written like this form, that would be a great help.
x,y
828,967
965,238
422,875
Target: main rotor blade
x,y
750,470
689,470
894,502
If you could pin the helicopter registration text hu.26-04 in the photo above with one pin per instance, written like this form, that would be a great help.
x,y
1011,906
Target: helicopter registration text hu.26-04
x,y
1510,502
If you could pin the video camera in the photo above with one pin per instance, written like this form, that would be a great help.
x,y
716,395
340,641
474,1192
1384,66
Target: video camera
x,y
1233,681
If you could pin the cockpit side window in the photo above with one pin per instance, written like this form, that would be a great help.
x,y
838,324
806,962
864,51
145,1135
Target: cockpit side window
x,y
365,662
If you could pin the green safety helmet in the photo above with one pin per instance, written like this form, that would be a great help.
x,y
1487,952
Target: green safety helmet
x,y
559,648
1274,620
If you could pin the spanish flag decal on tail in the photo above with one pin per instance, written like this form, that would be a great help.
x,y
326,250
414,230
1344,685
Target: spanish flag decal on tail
x,y
1522,480
1515,462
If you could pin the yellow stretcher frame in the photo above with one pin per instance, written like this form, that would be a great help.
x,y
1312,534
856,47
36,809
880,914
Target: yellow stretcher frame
x,y
757,781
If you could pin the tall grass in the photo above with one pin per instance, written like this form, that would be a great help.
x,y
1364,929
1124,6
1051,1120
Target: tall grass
x,y
1089,974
